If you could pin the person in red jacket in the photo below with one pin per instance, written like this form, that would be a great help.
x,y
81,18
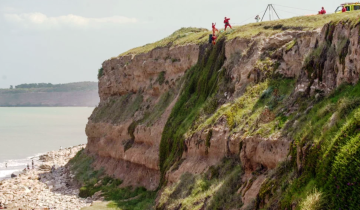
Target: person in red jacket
x,y
214,39
322,11
214,28
226,22
343,9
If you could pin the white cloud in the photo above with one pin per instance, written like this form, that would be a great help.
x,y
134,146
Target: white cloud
x,y
43,21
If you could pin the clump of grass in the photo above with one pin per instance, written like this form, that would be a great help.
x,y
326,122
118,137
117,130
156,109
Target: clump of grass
x,y
313,201
226,196
207,141
342,49
100,73
155,113
290,45
161,78
215,189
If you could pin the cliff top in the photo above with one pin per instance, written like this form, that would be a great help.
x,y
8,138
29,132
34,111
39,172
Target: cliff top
x,y
179,37
200,35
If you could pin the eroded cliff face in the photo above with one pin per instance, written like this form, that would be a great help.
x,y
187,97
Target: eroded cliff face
x,y
138,94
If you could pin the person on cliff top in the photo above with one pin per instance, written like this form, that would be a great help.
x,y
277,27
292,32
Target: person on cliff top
x,y
214,39
257,18
343,9
227,23
214,28
322,11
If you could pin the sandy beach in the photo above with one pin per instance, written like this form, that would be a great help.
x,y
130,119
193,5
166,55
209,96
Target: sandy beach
x,y
42,187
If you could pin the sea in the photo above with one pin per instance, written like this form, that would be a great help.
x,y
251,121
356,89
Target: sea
x,y
28,132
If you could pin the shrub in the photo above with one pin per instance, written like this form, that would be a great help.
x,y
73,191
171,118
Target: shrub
x,y
161,78
313,201
100,73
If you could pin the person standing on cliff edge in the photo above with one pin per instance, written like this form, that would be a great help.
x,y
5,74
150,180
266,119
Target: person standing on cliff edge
x,y
214,28
322,11
226,22
213,38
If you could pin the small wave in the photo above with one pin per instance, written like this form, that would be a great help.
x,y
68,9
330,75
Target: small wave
x,y
36,155
7,173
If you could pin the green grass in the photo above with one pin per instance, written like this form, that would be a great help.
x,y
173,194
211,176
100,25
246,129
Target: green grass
x,y
155,113
104,205
100,73
198,36
201,83
244,113
215,189
125,198
331,162
161,78
180,37
117,108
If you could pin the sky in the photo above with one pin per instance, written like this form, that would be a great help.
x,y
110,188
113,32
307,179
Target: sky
x,y
62,41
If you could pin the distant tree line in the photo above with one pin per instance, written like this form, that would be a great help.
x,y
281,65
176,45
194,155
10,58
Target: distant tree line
x,y
48,87
35,85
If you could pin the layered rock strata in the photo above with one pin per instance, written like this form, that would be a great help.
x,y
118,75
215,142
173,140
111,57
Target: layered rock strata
x,y
128,149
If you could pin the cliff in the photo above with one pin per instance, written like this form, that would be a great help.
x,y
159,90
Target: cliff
x,y
266,118
72,94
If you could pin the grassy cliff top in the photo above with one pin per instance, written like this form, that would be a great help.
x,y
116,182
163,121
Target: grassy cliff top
x,y
180,37
200,35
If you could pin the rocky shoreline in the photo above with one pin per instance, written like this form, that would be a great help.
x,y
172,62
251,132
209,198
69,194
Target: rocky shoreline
x,y
44,188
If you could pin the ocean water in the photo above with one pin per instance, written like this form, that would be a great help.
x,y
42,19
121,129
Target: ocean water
x,y
27,132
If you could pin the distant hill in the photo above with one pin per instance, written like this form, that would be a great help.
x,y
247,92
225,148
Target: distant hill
x,y
47,94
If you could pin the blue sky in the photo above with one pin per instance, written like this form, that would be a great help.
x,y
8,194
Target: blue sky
x,y
61,41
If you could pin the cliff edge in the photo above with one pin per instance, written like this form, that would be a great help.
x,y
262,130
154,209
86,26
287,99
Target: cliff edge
x,y
266,118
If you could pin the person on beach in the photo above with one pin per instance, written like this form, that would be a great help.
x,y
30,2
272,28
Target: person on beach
x,y
28,167
227,23
32,162
5,165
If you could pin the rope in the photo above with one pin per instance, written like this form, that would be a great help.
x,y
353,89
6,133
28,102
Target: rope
x,y
249,18
293,13
294,8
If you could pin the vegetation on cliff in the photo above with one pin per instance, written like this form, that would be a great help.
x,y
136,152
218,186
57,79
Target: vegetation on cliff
x,y
92,181
201,82
200,35
322,169
215,189
323,165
